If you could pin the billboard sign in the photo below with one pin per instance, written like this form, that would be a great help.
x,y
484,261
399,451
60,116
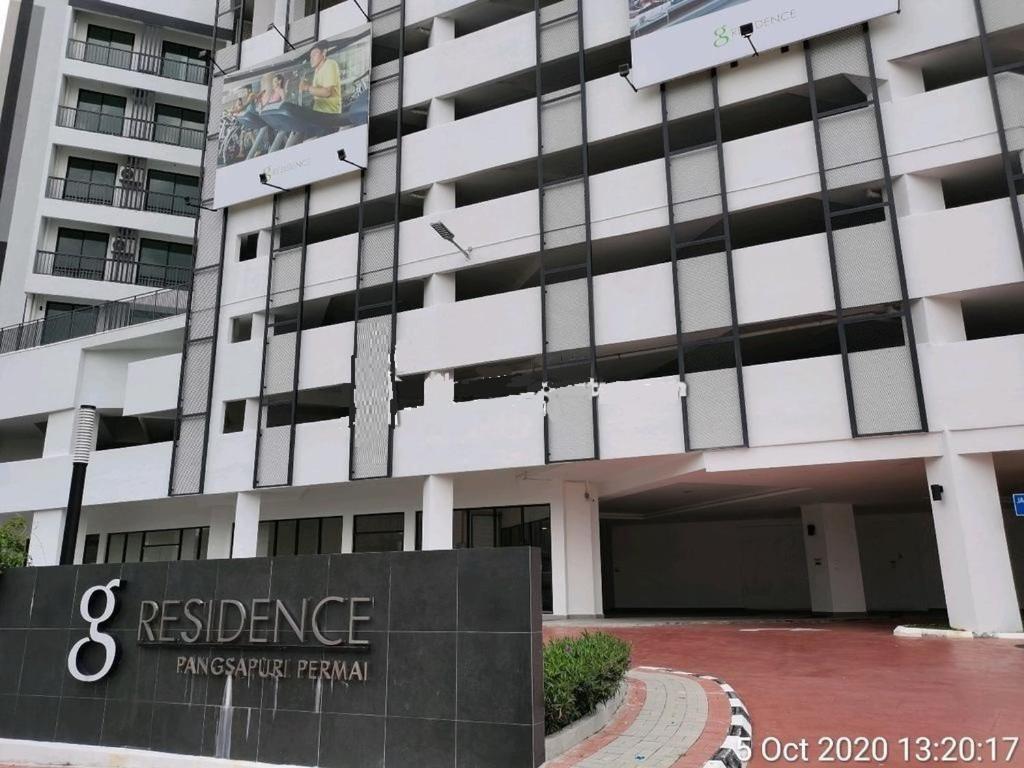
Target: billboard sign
x,y
673,38
288,118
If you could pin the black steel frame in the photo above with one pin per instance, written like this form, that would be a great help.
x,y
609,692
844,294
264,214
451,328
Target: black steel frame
x,y
233,11
888,206
683,345
274,524
187,341
267,325
1013,180
359,306
545,270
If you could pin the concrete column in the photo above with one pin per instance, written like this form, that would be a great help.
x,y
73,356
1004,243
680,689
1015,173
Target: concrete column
x,y
45,540
439,289
440,111
581,545
438,512
409,536
219,545
975,560
252,412
440,197
441,31
833,559
247,523
918,194
60,429
439,388
904,80
938,320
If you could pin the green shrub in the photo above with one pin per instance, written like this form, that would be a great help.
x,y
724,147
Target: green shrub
x,y
580,673
13,541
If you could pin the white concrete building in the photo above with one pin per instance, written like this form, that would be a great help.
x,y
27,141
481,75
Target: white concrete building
x,y
750,342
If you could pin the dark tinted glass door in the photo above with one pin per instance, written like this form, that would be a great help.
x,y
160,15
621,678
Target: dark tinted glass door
x,y
179,126
110,47
100,113
80,254
183,62
170,192
68,321
90,181
163,264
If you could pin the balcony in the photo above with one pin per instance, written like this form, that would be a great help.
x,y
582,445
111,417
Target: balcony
x,y
146,63
129,127
97,318
130,198
111,270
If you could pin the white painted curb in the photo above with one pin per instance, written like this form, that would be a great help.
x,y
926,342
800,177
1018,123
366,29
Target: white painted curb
x,y
955,634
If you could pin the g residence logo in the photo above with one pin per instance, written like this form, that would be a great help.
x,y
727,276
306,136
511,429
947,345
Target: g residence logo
x,y
725,34
95,635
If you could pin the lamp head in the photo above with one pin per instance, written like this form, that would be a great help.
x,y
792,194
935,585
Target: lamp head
x,y
443,231
624,70
264,178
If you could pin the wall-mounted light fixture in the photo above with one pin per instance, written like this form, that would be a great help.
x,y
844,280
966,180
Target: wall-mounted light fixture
x,y
265,181
447,234
343,157
624,70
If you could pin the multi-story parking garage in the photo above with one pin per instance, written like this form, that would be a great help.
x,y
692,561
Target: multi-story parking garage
x,y
751,340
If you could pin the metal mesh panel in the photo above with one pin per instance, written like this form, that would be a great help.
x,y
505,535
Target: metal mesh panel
x,y
216,98
713,409
381,174
188,454
704,298
379,6
687,97
884,392
209,238
275,454
302,29
866,265
561,120
279,364
210,169
851,149
696,184
195,390
1010,87
384,95
1002,14
567,315
372,397
286,274
386,20
227,57
570,423
840,53
564,213
204,304
559,31
377,256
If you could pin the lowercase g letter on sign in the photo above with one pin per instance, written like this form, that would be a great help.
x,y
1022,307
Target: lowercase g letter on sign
x,y
95,635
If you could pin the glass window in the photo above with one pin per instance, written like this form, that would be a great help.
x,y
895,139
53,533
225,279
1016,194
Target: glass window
x,y
507,527
90,181
308,539
179,126
379,533
302,536
80,254
183,62
64,321
158,546
171,193
100,112
110,47
285,538
163,264
330,535
91,552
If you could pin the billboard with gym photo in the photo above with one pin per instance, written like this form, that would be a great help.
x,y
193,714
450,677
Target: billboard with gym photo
x,y
673,38
287,118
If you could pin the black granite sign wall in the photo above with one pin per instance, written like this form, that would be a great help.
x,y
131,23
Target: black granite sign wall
x,y
453,669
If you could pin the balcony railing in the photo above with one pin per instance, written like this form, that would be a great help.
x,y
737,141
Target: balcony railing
x,y
129,127
98,318
110,270
132,198
147,63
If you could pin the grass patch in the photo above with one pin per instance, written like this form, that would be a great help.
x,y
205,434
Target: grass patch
x,y
580,673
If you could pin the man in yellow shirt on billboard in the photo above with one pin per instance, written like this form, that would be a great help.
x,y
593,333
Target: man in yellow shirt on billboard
x,y
326,85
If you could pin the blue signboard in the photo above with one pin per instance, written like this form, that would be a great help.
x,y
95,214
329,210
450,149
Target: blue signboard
x,y
1018,504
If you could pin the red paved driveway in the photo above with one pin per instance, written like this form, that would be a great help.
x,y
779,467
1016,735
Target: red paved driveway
x,y
852,679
